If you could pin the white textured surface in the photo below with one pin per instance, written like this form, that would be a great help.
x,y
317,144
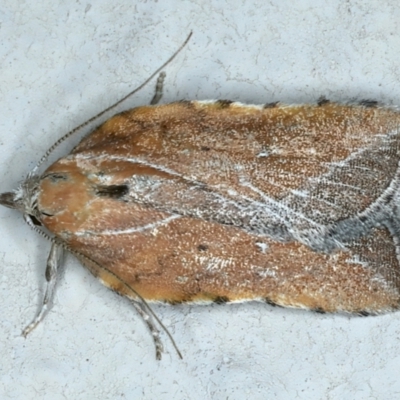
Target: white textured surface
x,y
61,62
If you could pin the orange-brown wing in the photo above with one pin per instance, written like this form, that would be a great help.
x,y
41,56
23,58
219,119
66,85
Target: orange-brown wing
x,y
178,259
154,188
290,172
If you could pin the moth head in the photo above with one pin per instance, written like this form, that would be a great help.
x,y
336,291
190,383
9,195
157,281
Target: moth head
x,y
24,199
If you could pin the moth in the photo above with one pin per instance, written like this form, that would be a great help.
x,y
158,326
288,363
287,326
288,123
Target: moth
x,y
218,201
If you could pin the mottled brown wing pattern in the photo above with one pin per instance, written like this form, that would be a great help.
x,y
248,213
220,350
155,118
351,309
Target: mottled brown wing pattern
x,y
203,201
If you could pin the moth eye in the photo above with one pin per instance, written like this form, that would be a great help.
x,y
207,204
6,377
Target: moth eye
x,y
112,191
35,221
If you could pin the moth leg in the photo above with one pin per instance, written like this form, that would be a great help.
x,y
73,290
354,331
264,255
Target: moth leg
x,y
54,262
155,333
159,89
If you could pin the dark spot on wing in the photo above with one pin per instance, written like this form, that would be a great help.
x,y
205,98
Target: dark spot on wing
x,y
270,302
174,302
223,103
322,101
187,103
202,247
221,300
369,103
112,191
271,105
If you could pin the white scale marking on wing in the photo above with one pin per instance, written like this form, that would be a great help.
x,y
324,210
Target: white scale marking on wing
x,y
263,207
128,231
334,166
276,209
279,205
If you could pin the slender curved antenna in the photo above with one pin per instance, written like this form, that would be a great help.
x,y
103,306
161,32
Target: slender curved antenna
x,y
67,135
140,300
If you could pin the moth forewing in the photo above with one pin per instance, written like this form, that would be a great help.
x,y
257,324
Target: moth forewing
x,y
189,201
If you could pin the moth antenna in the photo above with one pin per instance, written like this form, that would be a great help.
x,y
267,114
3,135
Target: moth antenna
x,y
142,300
163,327
79,127
77,253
